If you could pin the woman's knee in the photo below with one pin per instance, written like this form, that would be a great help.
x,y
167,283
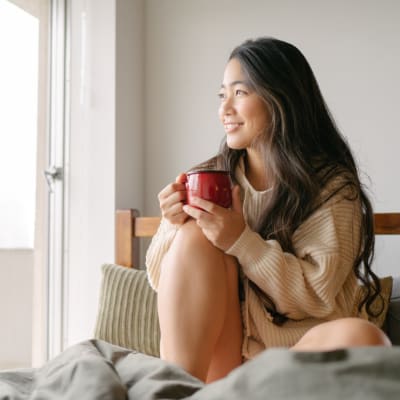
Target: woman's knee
x,y
191,251
360,332
190,238
343,333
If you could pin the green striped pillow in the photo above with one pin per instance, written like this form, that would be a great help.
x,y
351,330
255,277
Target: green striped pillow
x,y
127,315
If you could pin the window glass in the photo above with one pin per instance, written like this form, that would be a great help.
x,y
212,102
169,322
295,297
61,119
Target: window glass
x,y
19,36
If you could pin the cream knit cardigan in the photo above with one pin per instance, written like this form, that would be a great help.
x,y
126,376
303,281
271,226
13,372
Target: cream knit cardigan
x,y
316,284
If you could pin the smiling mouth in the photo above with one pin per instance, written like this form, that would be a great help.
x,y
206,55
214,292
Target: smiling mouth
x,y
232,126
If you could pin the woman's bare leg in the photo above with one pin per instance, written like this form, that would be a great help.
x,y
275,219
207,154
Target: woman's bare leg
x,y
228,351
342,333
198,306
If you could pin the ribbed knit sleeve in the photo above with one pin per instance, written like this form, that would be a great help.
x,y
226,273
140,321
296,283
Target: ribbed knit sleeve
x,y
159,245
305,284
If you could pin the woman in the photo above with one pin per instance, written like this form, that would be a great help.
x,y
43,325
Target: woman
x,y
279,268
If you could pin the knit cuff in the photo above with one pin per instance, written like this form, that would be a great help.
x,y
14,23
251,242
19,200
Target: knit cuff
x,y
248,248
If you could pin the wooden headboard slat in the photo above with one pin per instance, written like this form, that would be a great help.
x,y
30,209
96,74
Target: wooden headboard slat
x,y
124,237
145,226
387,223
129,227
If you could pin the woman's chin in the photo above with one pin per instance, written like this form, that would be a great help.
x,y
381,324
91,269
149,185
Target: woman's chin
x,y
234,145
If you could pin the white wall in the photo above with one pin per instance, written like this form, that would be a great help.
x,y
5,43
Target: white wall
x,y
16,275
129,107
91,201
106,146
353,47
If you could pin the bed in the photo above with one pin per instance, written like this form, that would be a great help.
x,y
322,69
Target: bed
x,y
121,360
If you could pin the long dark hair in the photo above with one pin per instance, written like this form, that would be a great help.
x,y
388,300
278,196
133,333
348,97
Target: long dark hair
x,y
304,150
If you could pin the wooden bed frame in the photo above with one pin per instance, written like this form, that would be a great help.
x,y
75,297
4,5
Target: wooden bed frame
x,y
130,227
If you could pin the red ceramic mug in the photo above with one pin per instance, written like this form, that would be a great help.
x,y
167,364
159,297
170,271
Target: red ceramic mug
x,y
211,185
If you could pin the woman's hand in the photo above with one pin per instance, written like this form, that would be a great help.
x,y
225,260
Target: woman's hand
x,y
171,201
221,226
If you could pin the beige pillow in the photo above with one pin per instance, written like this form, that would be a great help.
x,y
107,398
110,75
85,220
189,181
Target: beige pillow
x,y
127,314
386,285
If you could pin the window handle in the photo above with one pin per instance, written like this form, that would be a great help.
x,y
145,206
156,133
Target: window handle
x,y
52,174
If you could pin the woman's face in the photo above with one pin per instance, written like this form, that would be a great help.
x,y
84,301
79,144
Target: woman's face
x,y
242,112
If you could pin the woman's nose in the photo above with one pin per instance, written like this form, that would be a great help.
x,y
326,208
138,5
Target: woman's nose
x,y
226,107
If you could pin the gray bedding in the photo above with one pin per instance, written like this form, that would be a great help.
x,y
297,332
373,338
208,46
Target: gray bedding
x,y
99,370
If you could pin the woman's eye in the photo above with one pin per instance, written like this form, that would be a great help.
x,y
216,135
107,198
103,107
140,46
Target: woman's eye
x,y
239,92
221,96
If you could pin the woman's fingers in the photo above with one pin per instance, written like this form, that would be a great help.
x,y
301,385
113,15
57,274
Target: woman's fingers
x,y
173,210
220,225
213,208
178,219
174,198
171,199
181,178
207,214
199,203
171,189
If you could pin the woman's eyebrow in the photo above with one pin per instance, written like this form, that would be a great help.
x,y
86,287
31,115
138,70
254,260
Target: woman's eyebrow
x,y
234,83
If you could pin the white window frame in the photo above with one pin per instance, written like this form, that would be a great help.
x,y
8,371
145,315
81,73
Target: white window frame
x,y
58,155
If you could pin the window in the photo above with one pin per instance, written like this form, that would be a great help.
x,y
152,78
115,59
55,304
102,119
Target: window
x,y
19,44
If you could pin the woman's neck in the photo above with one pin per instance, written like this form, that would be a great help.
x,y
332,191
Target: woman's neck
x,y
256,171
